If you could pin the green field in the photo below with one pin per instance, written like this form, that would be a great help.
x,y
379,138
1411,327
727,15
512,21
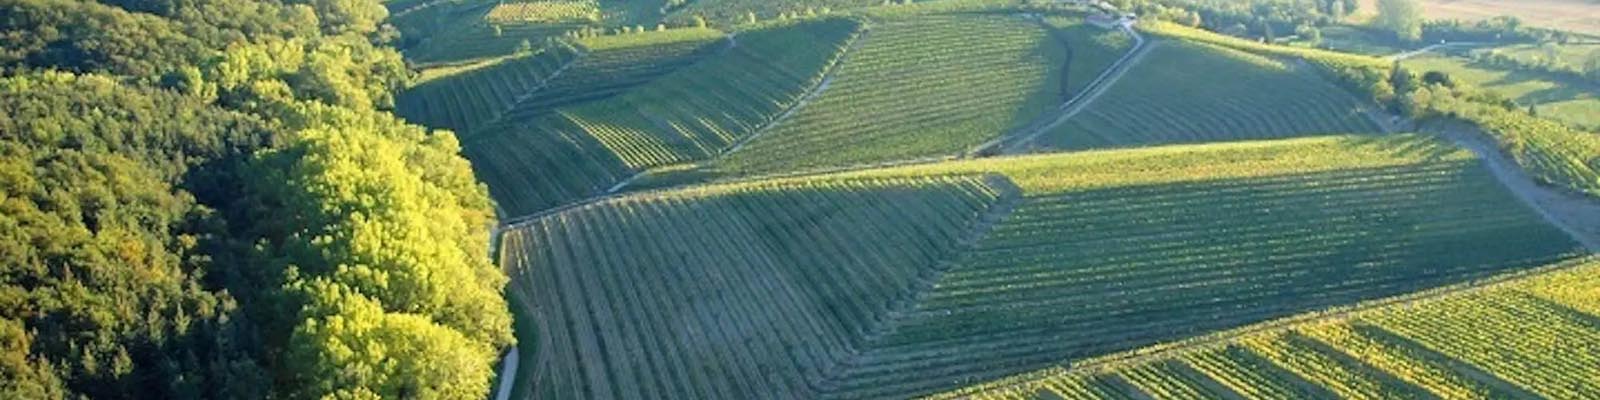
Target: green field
x,y
1185,92
1528,338
582,150
1566,100
1090,254
921,86
732,12
512,89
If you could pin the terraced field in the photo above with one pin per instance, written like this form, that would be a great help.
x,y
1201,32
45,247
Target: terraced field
x,y
517,88
1530,338
690,114
1184,92
549,11
737,291
1142,246
920,86
732,12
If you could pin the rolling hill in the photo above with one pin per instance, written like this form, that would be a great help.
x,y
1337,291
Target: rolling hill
x,y
953,273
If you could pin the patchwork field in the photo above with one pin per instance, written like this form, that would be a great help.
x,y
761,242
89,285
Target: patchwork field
x,y
1528,338
919,279
921,86
1566,100
1183,92
581,150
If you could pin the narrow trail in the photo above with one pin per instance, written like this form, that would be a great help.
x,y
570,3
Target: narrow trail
x,y
1430,48
827,80
508,375
1013,142
474,135
1577,215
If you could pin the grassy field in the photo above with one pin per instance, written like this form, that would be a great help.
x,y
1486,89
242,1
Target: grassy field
x,y
1564,100
1570,15
1097,252
733,12
1528,338
583,149
918,87
1189,92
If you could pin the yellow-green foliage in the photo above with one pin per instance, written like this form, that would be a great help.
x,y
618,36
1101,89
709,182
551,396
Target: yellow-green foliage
x,y
649,38
545,11
1530,337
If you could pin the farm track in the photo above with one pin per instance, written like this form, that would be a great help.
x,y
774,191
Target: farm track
x,y
544,83
1012,143
1578,216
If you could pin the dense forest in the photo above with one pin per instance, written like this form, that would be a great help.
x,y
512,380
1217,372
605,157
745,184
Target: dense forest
x,y
208,199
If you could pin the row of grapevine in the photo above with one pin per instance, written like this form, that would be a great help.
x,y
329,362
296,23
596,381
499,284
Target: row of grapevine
x,y
736,291
616,63
920,86
1536,337
1081,272
545,11
461,99
1189,92
474,97
690,114
1104,251
1090,51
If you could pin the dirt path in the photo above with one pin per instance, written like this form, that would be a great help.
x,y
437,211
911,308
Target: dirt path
x,y
822,86
1577,215
1430,48
508,375
1012,144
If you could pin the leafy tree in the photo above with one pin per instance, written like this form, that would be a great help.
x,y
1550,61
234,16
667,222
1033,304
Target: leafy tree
x,y
1403,17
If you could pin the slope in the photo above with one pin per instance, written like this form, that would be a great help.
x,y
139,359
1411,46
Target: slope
x,y
1184,92
581,150
1142,246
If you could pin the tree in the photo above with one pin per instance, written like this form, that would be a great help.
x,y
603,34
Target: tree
x,y
1309,33
1402,17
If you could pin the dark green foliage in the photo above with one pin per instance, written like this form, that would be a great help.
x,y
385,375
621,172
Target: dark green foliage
x,y
104,287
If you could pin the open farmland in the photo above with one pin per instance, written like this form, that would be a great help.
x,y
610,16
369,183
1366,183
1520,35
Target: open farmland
x,y
584,149
1143,246
1559,98
919,86
556,11
465,99
1527,338
1183,92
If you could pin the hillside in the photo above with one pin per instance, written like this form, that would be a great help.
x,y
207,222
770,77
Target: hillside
x,y
581,150
1530,337
1560,98
1183,92
919,86
1132,248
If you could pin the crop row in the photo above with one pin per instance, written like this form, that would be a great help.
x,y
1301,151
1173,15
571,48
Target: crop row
x,y
546,11
1081,273
461,100
689,114
1538,337
1184,92
918,87
742,291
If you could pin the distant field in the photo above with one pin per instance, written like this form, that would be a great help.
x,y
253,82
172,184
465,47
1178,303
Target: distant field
x,y
1564,100
1188,92
1536,337
732,12
580,150
1581,16
918,87
1090,254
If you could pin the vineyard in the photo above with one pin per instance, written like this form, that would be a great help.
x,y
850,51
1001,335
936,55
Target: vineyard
x,y
558,11
919,86
1189,92
520,87
1143,246
1090,52
739,291
1529,338
733,12
581,150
